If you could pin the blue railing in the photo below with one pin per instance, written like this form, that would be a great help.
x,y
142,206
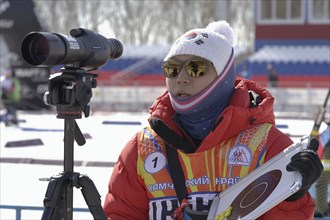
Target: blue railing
x,y
18,209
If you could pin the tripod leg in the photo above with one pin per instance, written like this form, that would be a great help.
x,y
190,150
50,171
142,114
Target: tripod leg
x,y
92,197
54,198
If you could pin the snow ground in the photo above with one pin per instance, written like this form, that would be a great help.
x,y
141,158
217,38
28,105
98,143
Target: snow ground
x,y
107,134
20,183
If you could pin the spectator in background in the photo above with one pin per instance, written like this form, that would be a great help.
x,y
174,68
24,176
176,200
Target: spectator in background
x,y
10,95
272,77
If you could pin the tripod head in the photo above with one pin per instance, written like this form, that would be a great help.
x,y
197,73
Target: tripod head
x,y
70,90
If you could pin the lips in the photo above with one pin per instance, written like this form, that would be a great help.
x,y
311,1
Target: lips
x,y
182,94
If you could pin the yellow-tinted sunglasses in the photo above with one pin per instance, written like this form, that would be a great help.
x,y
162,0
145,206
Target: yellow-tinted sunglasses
x,y
194,67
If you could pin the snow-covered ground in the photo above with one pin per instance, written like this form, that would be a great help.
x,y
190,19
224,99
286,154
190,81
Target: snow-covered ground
x,y
106,134
20,186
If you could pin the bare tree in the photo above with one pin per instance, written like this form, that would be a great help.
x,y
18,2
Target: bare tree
x,y
148,21
63,15
243,23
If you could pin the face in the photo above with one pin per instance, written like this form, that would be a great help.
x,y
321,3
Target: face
x,y
183,85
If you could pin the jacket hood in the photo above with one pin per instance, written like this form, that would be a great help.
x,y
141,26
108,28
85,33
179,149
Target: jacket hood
x,y
236,117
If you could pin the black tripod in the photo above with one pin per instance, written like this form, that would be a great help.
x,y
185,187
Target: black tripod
x,y
70,91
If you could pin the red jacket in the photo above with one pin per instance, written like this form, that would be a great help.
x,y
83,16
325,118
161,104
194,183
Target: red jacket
x,y
127,197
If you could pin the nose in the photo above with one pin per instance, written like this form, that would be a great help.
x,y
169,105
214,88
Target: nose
x,y
183,77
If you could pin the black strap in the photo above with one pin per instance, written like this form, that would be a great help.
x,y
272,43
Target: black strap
x,y
172,143
176,172
179,182
169,136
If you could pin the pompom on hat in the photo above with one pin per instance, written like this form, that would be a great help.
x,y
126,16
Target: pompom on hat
x,y
214,43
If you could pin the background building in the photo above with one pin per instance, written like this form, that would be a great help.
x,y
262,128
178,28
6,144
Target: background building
x,y
293,36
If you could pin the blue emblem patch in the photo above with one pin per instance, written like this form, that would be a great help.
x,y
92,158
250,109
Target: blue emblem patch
x,y
239,155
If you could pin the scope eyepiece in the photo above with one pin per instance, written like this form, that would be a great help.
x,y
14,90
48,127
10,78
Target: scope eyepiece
x,y
83,49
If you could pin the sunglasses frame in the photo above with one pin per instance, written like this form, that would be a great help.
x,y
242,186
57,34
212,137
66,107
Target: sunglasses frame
x,y
208,64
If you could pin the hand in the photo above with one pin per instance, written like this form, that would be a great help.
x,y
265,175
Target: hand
x,y
308,164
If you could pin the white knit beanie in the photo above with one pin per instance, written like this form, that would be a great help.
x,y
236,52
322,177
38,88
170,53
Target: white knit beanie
x,y
214,43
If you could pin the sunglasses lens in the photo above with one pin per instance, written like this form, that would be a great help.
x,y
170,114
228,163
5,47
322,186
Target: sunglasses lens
x,y
171,68
195,68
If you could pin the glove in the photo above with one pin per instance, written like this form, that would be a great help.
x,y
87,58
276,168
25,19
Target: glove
x,y
308,164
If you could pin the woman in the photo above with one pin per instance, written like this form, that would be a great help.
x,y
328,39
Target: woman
x,y
220,127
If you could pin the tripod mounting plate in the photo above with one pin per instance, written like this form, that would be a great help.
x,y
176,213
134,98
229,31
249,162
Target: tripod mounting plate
x,y
70,90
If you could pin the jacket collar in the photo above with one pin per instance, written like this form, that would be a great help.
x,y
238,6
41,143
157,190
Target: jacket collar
x,y
235,118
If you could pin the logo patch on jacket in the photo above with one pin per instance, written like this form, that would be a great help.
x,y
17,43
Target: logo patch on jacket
x,y
239,155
